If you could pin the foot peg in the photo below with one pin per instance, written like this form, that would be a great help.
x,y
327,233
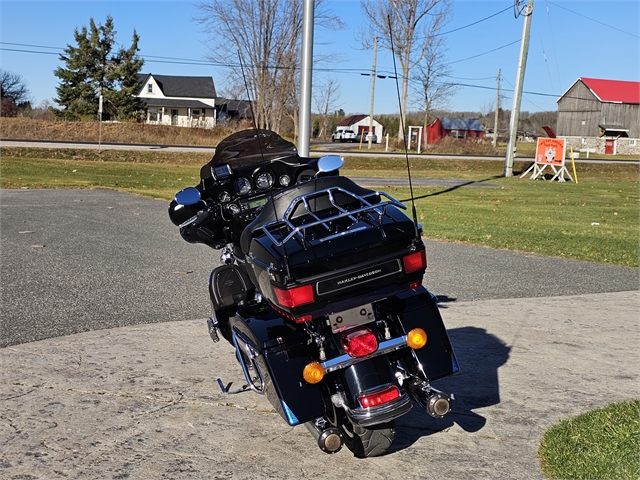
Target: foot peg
x,y
213,330
226,389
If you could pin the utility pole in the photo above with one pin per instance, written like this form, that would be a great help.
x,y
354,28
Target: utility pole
x,y
304,116
373,88
517,94
100,121
495,120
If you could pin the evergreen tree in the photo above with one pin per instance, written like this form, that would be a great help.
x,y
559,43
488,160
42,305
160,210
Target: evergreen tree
x,y
92,70
129,106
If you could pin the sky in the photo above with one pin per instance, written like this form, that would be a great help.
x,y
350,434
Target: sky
x,y
569,39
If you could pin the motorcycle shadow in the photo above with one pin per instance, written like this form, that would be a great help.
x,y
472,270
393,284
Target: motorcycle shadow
x,y
479,354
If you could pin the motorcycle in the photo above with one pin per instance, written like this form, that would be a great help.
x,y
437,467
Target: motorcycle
x,y
319,291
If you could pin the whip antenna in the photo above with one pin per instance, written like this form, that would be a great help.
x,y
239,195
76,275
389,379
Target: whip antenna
x,y
264,161
404,136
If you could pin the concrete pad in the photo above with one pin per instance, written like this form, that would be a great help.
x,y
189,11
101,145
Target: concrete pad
x,y
142,401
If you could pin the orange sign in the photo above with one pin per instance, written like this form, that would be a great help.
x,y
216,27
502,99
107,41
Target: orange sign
x,y
550,151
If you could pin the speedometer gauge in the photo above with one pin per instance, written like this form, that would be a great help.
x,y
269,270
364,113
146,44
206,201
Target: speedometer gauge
x,y
264,180
242,186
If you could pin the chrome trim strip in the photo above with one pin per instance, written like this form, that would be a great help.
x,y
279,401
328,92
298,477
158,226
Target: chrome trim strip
x,y
383,413
344,361
369,279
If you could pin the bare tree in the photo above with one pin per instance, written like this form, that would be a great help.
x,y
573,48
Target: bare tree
x,y
14,93
409,24
325,101
265,35
433,74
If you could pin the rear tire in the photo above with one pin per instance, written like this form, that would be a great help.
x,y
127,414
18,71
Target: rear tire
x,y
369,442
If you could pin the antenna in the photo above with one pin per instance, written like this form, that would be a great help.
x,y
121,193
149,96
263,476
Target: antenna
x,y
255,124
253,115
404,136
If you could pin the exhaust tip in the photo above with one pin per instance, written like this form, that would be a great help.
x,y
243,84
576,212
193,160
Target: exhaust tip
x,y
330,440
439,405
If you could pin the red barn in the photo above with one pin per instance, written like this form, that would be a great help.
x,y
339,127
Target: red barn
x,y
454,127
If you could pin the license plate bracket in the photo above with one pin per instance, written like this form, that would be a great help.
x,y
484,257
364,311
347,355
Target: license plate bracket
x,y
351,318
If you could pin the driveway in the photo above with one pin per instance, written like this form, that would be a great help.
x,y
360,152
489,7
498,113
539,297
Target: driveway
x,y
135,394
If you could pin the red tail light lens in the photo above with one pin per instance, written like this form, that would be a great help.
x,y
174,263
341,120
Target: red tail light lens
x,y
359,343
415,261
294,297
378,398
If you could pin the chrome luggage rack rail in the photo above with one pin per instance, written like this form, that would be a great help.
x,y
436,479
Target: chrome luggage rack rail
x,y
369,213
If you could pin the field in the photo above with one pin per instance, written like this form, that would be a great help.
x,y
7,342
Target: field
x,y
596,219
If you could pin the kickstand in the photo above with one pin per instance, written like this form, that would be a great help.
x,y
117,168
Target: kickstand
x,y
224,389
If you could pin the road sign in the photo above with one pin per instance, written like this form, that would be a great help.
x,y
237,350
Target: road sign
x,y
550,152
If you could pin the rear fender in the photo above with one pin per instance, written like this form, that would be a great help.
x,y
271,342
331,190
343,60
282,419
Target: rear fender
x,y
367,375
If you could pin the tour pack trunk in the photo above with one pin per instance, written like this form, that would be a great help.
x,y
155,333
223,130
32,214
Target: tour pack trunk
x,y
340,240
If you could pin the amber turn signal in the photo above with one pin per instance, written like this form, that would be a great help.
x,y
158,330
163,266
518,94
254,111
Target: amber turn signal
x,y
417,338
313,373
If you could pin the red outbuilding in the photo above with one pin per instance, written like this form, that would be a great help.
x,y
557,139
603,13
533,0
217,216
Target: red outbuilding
x,y
454,127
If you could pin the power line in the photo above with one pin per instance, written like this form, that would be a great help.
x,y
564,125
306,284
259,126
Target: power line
x,y
596,21
474,23
553,42
485,53
351,71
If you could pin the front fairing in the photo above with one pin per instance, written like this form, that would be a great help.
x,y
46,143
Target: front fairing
x,y
250,148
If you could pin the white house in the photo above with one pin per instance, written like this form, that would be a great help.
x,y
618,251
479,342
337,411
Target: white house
x,y
179,101
359,124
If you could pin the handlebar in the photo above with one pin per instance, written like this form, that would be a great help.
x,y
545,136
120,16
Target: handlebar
x,y
199,218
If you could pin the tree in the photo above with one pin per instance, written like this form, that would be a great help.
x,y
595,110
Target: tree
x,y
266,37
14,93
400,22
325,101
432,76
93,70
129,65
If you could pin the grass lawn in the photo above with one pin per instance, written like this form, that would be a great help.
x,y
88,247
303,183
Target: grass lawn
x,y
596,219
602,444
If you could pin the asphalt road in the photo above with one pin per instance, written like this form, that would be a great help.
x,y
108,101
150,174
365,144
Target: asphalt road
x,y
79,260
328,148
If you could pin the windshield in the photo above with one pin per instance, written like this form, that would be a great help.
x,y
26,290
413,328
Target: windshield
x,y
246,148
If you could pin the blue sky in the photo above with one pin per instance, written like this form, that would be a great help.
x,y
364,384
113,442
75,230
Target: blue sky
x,y
569,39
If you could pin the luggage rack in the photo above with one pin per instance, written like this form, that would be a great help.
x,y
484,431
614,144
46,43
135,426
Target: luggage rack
x,y
333,226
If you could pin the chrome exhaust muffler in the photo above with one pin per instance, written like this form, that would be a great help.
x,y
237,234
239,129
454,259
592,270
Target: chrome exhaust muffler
x,y
330,440
436,403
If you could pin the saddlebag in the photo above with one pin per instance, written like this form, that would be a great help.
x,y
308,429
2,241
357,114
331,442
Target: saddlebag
x,y
418,309
281,353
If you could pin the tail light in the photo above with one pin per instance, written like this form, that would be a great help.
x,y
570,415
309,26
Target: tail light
x,y
378,398
359,342
415,261
294,297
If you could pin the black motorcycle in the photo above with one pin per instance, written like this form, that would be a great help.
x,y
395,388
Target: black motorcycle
x,y
320,291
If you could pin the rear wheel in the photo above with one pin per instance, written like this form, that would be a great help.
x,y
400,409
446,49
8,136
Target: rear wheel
x,y
371,441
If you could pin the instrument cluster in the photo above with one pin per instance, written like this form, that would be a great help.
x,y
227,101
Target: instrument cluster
x,y
244,191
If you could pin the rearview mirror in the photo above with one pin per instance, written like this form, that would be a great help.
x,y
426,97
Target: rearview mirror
x,y
329,163
188,196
